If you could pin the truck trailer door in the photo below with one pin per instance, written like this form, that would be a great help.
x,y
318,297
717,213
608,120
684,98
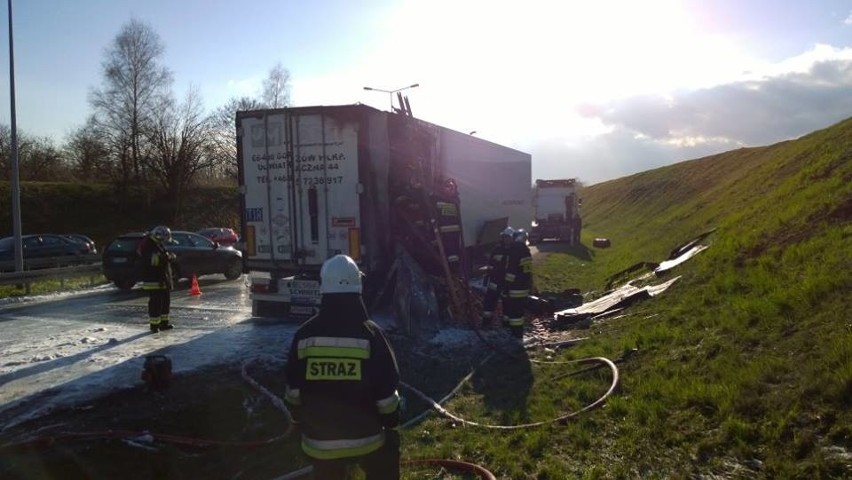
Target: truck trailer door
x,y
300,189
326,183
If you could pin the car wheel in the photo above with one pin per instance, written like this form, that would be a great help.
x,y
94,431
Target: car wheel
x,y
234,270
124,284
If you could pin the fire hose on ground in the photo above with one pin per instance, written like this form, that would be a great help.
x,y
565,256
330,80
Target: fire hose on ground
x,y
472,468
140,438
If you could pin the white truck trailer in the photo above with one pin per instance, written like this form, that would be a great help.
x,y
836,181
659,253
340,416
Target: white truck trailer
x,y
557,211
319,181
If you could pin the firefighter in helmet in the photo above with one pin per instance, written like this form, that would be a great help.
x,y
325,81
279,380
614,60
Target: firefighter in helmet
x,y
518,283
157,277
495,279
342,380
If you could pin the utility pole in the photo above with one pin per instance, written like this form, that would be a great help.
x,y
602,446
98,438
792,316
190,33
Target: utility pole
x,y
16,186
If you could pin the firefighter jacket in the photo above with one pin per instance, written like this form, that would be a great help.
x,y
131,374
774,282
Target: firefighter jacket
x,y
518,271
342,381
156,265
497,261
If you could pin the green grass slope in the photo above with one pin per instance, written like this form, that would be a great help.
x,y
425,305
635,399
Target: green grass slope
x,y
743,368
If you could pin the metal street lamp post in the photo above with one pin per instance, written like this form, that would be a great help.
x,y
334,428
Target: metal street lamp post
x,y
391,92
16,187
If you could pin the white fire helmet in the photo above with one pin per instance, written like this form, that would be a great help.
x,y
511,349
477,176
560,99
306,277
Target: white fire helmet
x,y
521,236
508,232
161,233
340,274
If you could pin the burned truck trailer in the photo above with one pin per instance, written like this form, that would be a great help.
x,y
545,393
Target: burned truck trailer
x,y
319,181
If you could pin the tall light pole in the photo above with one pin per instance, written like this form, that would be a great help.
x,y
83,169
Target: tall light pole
x,y
16,187
389,92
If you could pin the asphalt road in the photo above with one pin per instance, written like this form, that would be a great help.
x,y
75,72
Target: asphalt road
x,y
74,347
221,302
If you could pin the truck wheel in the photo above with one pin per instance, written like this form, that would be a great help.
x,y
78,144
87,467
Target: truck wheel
x,y
234,270
124,284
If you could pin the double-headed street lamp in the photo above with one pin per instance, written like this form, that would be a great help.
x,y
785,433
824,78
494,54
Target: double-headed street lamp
x,y
391,92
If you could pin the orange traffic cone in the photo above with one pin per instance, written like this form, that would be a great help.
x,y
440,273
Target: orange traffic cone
x,y
195,290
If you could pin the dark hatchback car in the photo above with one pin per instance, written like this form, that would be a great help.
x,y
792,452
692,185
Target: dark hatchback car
x,y
196,255
41,246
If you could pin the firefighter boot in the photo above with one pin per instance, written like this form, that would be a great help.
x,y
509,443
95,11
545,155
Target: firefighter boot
x,y
154,323
164,323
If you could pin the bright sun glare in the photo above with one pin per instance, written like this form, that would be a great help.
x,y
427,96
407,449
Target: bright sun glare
x,y
546,58
489,58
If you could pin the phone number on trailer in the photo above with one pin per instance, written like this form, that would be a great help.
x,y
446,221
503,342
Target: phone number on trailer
x,y
305,180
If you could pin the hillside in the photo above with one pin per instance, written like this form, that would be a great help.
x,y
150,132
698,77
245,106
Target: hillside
x,y
742,369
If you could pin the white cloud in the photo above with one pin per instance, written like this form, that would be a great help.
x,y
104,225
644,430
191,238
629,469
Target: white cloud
x,y
751,112
774,103
848,20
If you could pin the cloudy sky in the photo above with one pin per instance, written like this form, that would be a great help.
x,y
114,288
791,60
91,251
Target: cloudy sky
x,y
592,89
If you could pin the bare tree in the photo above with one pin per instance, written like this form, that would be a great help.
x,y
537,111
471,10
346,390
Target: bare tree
x,y
42,161
178,143
224,135
25,144
5,148
133,79
39,159
276,87
87,153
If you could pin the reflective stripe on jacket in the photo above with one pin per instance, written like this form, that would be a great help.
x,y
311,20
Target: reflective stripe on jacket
x,y
332,449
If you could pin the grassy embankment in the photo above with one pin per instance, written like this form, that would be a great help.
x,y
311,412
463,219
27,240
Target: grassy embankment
x,y
744,366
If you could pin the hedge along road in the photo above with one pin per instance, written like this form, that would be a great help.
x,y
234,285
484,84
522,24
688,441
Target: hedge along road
x,y
65,350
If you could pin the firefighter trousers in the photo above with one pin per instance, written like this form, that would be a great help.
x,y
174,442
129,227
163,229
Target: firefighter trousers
x,y
514,310
489,304
159,301
383,464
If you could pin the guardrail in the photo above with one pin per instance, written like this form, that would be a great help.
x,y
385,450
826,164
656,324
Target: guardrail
x,y
52,268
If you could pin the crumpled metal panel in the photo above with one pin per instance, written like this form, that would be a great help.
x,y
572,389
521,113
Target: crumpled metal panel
x,y
415,304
